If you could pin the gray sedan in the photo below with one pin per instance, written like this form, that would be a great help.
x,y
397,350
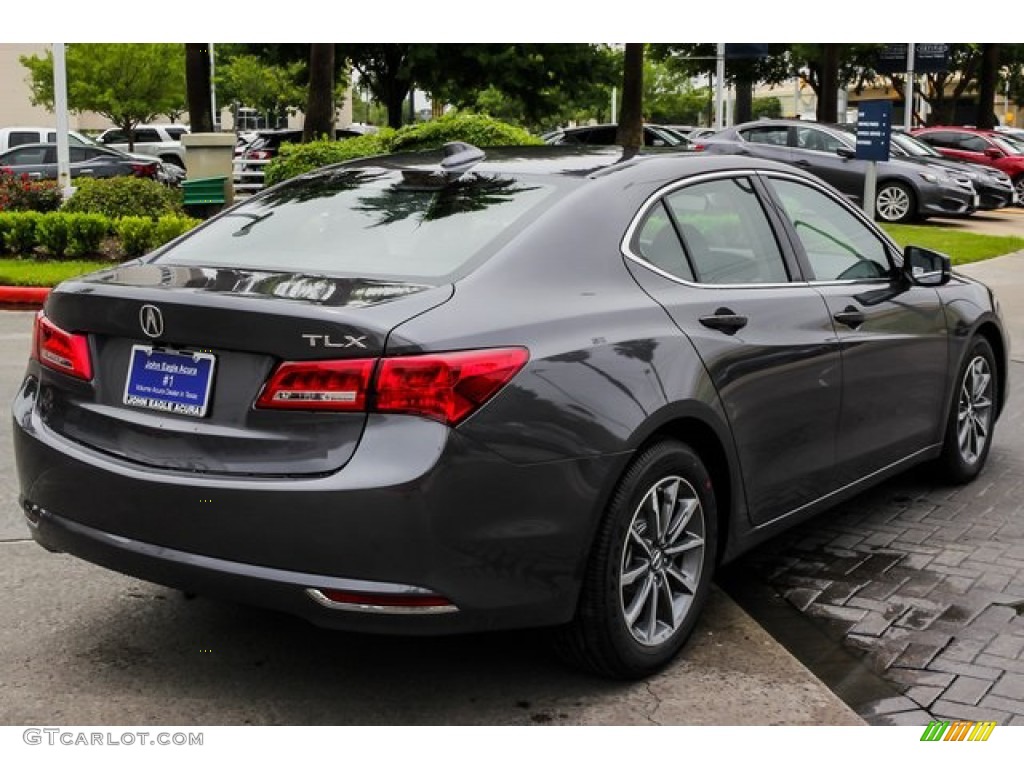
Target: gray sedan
x,y
905,191
450,392
39,161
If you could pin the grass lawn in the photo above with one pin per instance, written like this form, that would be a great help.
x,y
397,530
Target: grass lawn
x,y
962,247
44,273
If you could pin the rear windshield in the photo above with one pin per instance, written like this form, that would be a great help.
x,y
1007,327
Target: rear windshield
x,y
371,222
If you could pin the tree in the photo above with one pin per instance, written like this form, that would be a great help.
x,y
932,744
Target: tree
x,y
128,83
273,89
320,104
197,86
630,132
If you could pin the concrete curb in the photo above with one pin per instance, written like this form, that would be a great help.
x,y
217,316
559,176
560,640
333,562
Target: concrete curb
x,y
25,295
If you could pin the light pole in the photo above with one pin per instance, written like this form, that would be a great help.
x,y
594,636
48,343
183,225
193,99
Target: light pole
x,y
60,104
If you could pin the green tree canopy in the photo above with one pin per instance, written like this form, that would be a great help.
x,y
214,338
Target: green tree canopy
x,y
128,83
273,89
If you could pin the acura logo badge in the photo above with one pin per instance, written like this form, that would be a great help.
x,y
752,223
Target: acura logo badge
x,y
151,320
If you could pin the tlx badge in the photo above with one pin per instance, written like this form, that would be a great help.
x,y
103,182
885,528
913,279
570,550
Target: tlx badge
x,y
324,340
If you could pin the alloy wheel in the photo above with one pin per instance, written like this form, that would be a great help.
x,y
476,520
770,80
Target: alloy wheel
x,y
662,561
974,410
893,203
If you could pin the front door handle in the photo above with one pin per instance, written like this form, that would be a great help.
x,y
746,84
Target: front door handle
x,y
724,320
851,317
802,163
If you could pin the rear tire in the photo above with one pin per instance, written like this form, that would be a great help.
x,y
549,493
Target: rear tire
x,y
650,568
971,415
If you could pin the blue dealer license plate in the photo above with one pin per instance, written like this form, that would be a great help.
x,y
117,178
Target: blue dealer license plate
x,y
174,382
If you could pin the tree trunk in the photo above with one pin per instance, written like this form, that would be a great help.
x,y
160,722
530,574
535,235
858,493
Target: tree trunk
x,y
828,97
987,79
744,101
197,87
631,119
319,120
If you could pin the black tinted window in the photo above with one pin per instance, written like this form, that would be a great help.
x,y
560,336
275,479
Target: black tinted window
x,y
726,233
17,138
371,222
657,241
147,135
769,134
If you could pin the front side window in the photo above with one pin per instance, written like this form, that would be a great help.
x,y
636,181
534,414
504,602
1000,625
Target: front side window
x,y
839,245
818,141
726,233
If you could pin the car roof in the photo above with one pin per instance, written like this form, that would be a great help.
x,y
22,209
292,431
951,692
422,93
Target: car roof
x,y
574,161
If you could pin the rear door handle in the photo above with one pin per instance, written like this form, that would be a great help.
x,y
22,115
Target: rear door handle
x,y
851,317
724,320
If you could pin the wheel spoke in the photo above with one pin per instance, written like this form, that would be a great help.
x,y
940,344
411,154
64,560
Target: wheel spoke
x,y
656,511
686,510
652,612
692,541
639,600
630,577
666,594
685,581
637,539
670,494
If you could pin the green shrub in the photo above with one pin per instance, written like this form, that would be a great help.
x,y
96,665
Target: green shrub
x,y
170,227
124,196
86,231
53,232
20,193
136,233
6,223
295,159
21,238
479,130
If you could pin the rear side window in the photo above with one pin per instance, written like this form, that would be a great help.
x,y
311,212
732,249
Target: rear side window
x,y
17,138
372,222
775,135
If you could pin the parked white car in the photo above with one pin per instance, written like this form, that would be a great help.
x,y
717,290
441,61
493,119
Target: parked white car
x,y
158,140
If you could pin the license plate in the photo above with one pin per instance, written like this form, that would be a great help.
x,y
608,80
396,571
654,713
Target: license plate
x,y
174,382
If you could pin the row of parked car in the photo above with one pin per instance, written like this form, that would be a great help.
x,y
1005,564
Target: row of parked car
x,y
937,171
157,153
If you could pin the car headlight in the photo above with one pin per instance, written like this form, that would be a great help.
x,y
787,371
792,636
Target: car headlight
x,y
930,177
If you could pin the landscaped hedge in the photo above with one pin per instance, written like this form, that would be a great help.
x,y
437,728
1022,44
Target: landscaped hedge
x,y
124,196
20,193
55,235
479,130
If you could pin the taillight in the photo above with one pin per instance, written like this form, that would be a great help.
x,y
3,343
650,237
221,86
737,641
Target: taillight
x,y
60,350
698,147
258,154
144,169
324,385
447,386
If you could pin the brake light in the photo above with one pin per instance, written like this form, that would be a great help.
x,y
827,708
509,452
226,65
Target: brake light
x,y
60,350
446,386
698,147
144,169
258,154
324,385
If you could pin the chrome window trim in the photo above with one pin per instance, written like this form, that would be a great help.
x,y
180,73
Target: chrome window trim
x,y
657,197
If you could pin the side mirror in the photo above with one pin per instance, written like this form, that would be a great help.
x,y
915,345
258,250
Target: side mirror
x,y
993,152
926,268
846,153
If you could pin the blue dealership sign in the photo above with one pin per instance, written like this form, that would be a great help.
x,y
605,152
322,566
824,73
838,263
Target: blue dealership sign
x,y
874,130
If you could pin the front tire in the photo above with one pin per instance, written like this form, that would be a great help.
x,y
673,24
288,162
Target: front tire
x,y
895,203
649,573
972,416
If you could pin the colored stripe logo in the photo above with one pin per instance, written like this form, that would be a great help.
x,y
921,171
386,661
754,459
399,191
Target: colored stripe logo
x,y
958,730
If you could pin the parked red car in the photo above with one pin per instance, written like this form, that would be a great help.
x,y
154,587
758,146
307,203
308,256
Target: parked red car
x,y
979,146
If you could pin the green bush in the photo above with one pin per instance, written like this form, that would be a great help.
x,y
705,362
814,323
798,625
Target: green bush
x,y
86,231
53,232
124,196
479,130
21,238
6,223
20,193
295,159
170,227
137,234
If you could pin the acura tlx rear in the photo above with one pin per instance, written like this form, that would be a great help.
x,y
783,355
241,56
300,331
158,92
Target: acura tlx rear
x,y
228,418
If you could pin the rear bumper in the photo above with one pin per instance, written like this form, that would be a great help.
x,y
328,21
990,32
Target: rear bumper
x,y
419,508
